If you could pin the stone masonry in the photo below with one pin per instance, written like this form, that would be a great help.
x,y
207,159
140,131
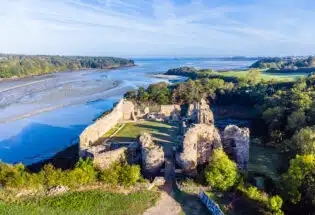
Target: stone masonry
x,y
236,143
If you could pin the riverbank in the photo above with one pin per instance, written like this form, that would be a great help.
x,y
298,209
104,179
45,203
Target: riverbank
x,y
15,78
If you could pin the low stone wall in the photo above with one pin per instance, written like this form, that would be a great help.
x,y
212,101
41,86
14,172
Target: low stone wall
x,y
122,111
104,160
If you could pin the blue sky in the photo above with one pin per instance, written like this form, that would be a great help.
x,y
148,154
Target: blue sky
x,y
154,28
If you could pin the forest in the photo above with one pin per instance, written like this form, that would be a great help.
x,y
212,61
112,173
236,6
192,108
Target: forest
x,y
286,63
28,65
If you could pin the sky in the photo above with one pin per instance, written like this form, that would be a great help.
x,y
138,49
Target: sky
x,y
158,28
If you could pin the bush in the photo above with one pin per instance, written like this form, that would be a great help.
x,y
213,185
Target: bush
x,y
83,173
221,173
275,203
52,176
12,176
272,204
254,193
122,174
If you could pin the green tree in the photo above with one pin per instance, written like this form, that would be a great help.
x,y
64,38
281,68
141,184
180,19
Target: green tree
x,y
296,120
293,179
304,141
221,172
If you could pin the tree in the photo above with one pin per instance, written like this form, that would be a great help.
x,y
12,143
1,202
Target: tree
x,y
221,172
293,179
304,140
296,120
273,117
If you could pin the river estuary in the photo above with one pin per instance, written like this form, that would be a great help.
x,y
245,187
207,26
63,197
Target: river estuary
x,y
40,116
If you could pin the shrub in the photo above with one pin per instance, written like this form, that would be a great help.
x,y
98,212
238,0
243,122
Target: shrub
x,y
83,173
122,174
275,203
254,193
12,176
221,173
52,176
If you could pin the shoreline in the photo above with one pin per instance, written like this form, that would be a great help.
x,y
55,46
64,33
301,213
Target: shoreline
x,y
114,86
15,78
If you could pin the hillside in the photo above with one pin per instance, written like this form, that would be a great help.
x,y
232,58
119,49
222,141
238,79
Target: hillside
x,y
27,65
287,64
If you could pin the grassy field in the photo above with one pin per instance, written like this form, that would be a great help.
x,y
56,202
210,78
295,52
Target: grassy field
x,y
264,76
160,131
89,202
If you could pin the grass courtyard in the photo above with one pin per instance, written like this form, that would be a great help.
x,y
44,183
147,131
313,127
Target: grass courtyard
x,y
160,131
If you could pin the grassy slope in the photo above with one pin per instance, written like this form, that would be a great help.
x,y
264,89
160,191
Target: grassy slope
x,y
89,202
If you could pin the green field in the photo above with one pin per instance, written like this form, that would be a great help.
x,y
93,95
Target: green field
x,y
89,202
264,76
160,131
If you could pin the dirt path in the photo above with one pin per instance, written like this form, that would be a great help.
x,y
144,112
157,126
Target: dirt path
x,y
173,201
167,205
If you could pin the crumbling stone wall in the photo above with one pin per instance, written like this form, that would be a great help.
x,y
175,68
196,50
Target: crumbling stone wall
x,y
199,141
200,112
128,110
122,111
105,159
152,155
236,143
167,110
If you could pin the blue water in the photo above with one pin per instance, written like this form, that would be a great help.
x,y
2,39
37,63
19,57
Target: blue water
x,y
30,133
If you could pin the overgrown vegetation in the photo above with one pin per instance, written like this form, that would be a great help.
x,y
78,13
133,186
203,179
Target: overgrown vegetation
x,y
84,173
25,65
88,202
221,173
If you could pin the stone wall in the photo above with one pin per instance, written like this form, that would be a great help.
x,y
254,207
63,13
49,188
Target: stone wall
x,y
152,155
122,111
200,112
236,143
167,110
198,144
105,159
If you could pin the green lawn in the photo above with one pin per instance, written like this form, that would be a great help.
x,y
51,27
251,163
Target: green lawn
x,y
160,131
265,76
89,202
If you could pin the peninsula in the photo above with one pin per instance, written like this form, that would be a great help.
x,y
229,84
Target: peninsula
x,y
15,66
